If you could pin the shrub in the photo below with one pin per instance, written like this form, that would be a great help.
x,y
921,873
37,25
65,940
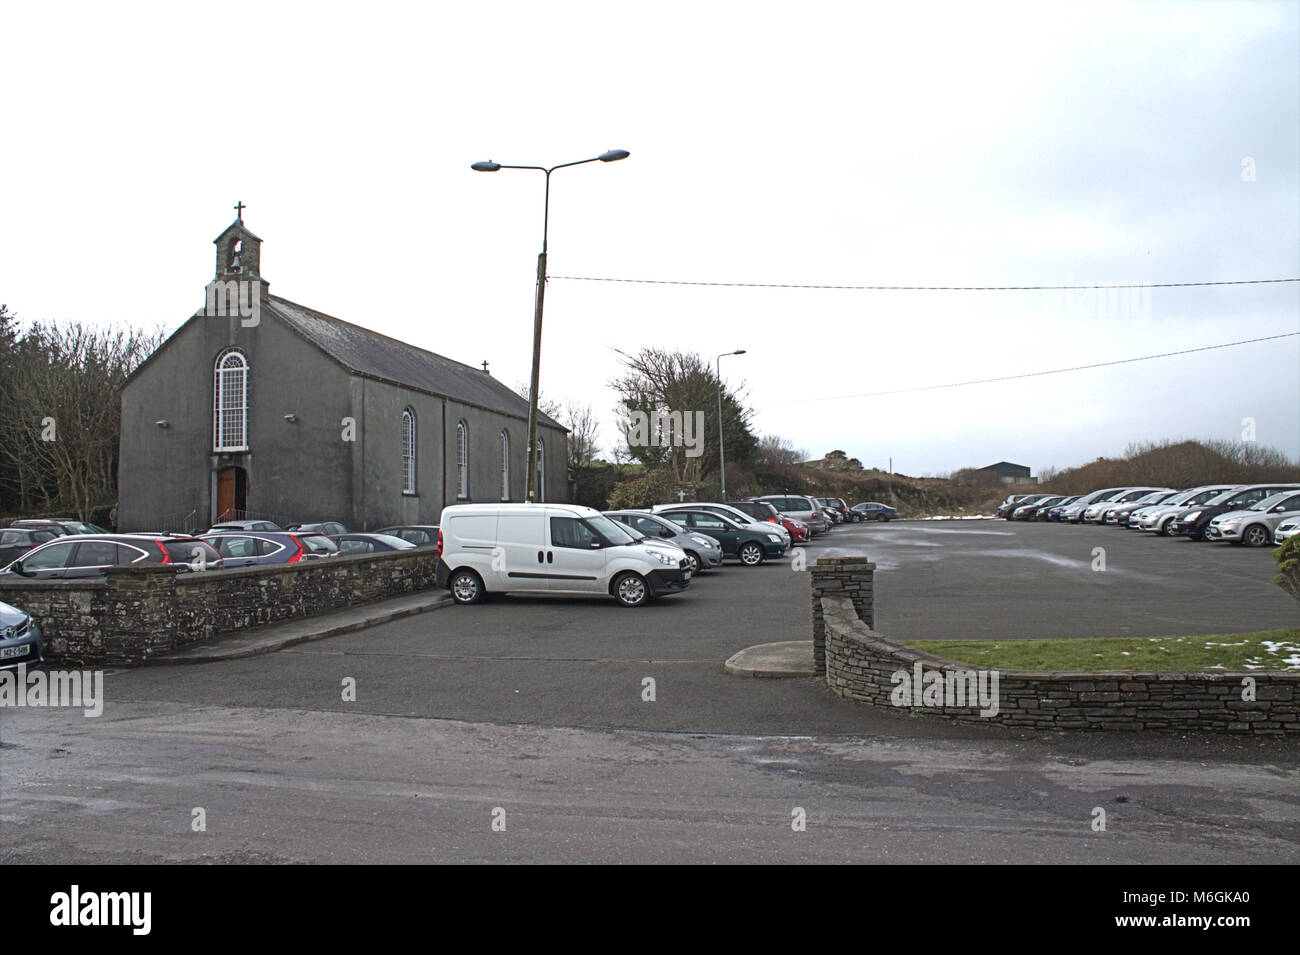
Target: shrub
x,y
1288,567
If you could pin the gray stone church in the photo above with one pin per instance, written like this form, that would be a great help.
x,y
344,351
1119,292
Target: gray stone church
x,y
260,407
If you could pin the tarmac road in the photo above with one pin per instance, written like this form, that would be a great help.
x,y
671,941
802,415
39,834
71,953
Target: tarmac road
x,y
536,706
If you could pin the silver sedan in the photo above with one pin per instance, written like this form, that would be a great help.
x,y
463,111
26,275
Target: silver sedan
x,y
703,551
1255,526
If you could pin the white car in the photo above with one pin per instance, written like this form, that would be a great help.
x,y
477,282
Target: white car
x,y
1286,530
552,549
1255,525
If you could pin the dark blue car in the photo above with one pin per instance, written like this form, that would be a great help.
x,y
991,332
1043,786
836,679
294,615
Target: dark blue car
x,y
875,511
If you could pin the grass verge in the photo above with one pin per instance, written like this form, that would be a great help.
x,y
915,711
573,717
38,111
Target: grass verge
x,y
1265,650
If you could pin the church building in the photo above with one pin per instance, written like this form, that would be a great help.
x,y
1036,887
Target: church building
x,y
258,407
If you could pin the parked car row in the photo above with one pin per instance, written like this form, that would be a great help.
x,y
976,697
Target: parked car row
x,y
633,555
1251,514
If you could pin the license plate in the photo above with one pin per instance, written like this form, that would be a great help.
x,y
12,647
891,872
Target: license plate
x,y
10,652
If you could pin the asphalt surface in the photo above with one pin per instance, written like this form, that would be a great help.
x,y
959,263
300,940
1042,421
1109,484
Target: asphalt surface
x,y
537,706
576,662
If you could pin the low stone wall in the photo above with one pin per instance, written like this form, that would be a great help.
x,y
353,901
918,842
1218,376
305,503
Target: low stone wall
x,y
862,665
136,612
852,578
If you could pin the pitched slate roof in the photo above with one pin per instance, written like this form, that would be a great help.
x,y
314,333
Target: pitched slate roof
x,y
377,356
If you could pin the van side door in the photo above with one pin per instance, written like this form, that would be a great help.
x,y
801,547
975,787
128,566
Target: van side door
x,y
518,562
575,557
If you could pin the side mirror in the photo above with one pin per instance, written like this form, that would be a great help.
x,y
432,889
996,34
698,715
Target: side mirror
x,y
596,545
17,568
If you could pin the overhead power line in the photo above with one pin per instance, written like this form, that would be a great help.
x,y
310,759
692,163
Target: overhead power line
x,y
1038,374
924,288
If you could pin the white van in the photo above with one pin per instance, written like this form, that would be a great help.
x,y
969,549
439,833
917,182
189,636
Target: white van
x,y
551,549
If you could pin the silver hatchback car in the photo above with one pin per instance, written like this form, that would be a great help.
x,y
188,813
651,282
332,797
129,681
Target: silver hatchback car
x,y
1256,525
702,551
20,638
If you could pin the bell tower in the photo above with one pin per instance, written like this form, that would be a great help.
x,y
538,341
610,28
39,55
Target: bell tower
x,y
239,252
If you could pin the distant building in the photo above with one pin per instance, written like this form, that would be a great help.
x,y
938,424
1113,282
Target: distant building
x,y
1009,473
280,411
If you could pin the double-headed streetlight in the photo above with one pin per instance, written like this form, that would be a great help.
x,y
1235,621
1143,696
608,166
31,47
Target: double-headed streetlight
x,y
612,155
722,463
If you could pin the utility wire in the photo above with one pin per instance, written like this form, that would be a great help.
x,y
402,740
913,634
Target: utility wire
x,y
1038,374
924,288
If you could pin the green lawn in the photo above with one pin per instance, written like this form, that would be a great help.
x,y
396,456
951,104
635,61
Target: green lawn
x,y
1267,650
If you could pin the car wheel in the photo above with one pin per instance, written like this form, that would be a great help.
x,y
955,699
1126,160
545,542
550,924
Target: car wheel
x,y
466,587
630,589
694,560
751,554
1256,535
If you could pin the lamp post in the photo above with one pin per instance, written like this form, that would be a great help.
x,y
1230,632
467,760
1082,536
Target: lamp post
x,y
612,155
722,462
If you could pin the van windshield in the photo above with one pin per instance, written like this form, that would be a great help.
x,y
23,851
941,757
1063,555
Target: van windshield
x,y
612,531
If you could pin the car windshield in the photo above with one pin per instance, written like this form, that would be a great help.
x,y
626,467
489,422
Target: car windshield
x,y
1222,497
1268,502
612,531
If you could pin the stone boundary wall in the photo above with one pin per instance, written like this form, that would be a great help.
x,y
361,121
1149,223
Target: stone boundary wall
x,y
852,578
859,664
140,611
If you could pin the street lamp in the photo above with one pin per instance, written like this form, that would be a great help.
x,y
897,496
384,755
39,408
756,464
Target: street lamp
x,y
722,463
612,155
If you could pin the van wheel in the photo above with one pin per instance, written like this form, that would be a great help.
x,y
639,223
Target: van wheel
x,y
630,589
466,587
694,561
751,554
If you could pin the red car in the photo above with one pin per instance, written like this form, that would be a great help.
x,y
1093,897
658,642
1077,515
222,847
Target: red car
x,y
799,533
763,511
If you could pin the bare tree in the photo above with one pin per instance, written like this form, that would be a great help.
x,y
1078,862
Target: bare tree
x,y
62,421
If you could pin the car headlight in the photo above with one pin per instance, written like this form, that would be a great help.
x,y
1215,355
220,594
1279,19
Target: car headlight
x,y
774,538
1226,524
704,541
1194,516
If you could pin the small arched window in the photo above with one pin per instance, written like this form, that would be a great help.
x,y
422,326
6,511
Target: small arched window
x,y
462,460
230,401
505,465
408,451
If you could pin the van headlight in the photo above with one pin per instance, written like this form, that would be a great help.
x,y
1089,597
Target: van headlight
x,y
665,558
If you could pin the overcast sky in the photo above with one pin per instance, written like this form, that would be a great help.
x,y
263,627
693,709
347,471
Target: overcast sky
x,y
840,143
